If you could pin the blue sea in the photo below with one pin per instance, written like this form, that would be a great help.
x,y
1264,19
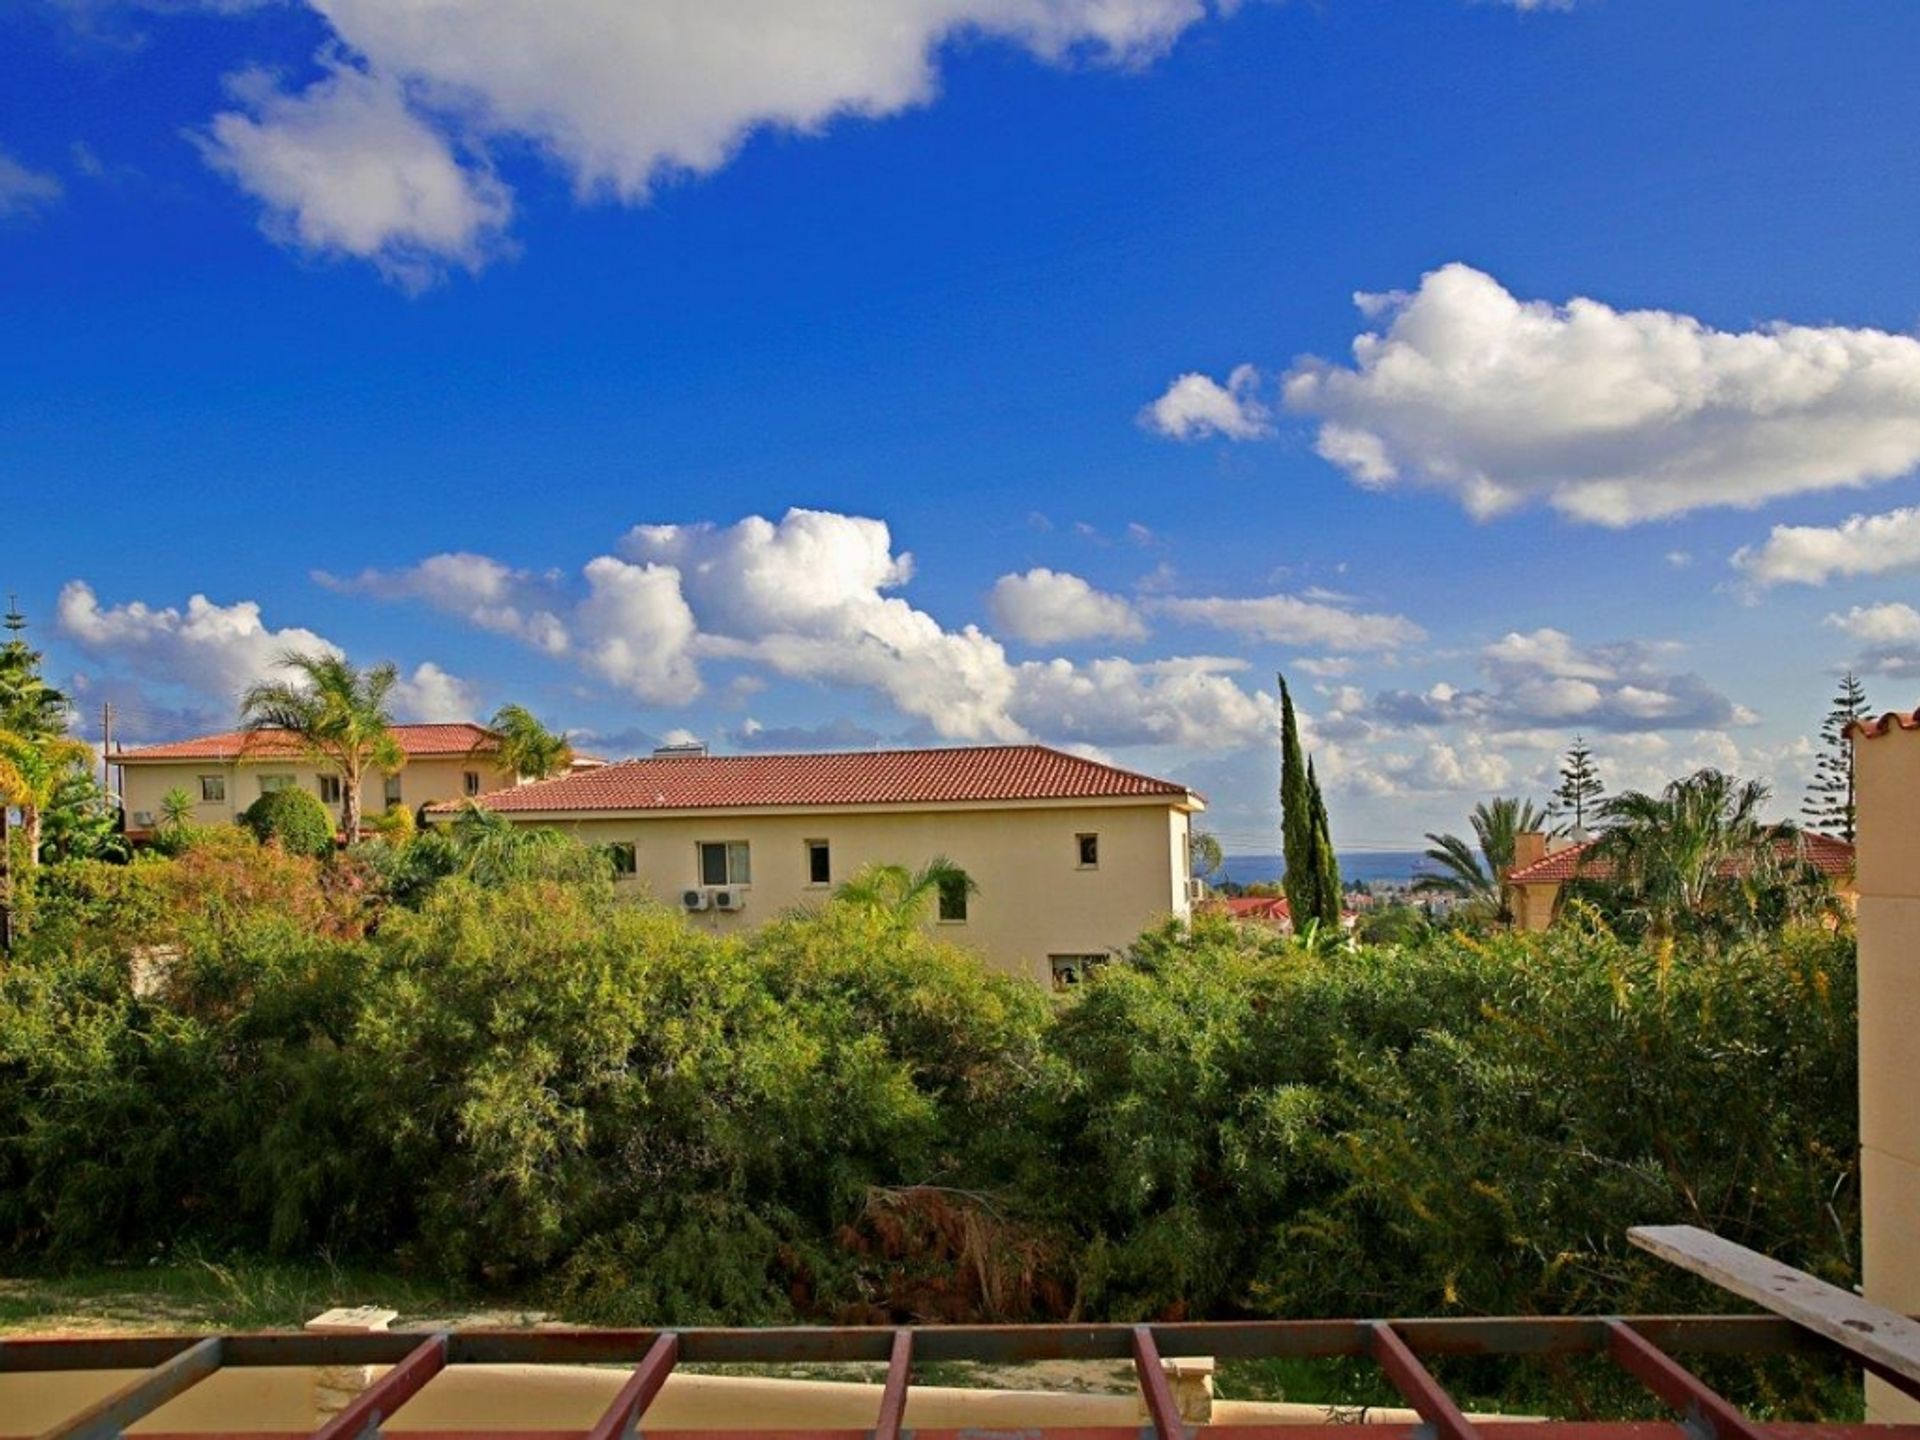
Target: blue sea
x,y
1377,865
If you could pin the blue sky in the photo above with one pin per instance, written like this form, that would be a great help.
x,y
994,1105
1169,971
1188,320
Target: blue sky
x,y
382,327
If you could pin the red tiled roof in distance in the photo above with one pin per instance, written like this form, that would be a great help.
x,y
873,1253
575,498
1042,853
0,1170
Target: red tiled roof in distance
x,y
419,742
871,777
1828,855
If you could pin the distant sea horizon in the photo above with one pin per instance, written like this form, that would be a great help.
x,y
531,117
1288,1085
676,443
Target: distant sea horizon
x,y
1374,865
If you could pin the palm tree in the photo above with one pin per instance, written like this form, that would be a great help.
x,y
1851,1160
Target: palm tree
x,y
1482,888
904,895
339,712
527,748
176,808
1698,856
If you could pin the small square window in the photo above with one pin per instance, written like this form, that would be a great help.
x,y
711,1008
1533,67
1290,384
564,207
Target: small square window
x,y
390,790
471,780
271,784
213,787
1088,849
953,900
725,862
819,863
625,860
330,789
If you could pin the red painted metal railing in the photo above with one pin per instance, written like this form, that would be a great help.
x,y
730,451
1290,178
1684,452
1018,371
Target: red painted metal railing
x,y
1645,1347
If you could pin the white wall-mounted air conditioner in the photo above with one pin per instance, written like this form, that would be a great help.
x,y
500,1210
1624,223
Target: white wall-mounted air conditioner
x,y
729,900
696,899
1196,890
143,819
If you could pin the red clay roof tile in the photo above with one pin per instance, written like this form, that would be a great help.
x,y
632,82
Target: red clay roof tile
x,y
1827,854
418,741
874,777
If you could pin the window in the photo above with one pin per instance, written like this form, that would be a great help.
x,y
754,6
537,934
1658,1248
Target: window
x,y
819,863
270,784
1088,849
953,900
725,862
1070,971
330,789
625,860
471,780
391,790
213,787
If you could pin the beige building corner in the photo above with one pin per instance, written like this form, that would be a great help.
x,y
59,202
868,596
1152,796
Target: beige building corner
x,y
1073,858
1887,783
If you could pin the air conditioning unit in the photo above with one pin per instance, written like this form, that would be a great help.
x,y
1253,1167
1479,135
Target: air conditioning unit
x,y
729,900
1196,890
696,899
143,819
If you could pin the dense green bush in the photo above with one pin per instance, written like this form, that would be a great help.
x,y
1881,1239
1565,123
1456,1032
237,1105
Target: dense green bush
x,y
533,1082
293,817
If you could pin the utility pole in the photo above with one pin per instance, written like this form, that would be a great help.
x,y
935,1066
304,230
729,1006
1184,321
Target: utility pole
x,y
106,748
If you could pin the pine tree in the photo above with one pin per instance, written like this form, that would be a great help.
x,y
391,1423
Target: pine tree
x,y
1580,786
1829,802
1300,880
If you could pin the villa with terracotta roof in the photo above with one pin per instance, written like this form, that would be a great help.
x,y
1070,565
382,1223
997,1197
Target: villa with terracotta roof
x,y
226,773
1073,858
1544,869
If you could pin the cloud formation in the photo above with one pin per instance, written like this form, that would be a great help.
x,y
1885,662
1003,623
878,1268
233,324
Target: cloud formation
x,y
1197,407
1609,416
1888,634
1051,607
25,193
1814,554
476,588
1294,620
383,157
348,167
1545,680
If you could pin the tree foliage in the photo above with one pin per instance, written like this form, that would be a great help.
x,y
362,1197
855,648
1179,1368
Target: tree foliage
x,y
339,712
527,748
1580,788
1829,805
294,819
1312,877
1477,880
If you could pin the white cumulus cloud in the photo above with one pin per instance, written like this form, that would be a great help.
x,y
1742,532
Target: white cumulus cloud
x,y
1815,554
1051,607
1196,406
429,693
1889,636
1609,416
476,588
349,167
25,192
621,96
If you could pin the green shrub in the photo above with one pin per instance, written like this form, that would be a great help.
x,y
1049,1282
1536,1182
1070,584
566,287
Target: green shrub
x,y
293,818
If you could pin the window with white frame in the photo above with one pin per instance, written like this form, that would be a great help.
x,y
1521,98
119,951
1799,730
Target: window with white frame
x,y
213,787
329,789
725,862
471,780
819,863
1069,971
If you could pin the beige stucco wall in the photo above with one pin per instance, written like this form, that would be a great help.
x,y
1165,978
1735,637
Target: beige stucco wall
x,y
422,782
1533,904
1887,771
1035,900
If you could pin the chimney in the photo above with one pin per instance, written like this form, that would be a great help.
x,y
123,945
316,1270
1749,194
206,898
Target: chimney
x,y
1529,846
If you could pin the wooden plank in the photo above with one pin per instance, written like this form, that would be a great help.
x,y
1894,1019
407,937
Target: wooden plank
x,y
1881,1336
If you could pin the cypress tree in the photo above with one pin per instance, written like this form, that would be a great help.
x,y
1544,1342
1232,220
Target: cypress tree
x,y
1326,863
1300,880
1829,802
